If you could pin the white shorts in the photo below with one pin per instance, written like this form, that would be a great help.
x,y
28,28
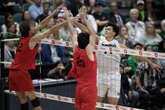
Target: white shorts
x,y
111,86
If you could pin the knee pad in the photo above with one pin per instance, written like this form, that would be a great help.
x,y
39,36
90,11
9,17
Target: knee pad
x,y
35,102
25,106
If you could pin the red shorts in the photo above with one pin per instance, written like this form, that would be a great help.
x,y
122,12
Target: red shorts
x,y
20,81
86,97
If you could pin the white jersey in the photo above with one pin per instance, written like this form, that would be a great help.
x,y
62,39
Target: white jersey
x,y
109,67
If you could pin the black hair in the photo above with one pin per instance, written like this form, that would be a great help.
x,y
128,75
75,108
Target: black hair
x,y
138,44
25,28
10,24
6,18
46,3
145,48
115,28
161,48
23,15
11,34
83,40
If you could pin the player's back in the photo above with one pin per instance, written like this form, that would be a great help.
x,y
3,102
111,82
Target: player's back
x,y
25,57
84,70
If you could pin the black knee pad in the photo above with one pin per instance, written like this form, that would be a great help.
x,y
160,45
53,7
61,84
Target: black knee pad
x,y
25,106
35,102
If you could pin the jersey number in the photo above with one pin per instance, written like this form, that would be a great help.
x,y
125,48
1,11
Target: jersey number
x,y
19,48
80,63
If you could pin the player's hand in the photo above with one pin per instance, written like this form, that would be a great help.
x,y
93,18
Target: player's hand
x,y
58,9
67,14
82,14
74,19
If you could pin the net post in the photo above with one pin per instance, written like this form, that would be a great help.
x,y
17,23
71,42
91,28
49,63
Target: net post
x,y
2,79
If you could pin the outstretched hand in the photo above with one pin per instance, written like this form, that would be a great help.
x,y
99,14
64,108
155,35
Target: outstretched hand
x,y
83,14
58,9
67,14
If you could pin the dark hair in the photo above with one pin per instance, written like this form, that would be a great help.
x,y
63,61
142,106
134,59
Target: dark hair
x,y
115,28
11,34
25,28
138,44
9,25
161,48
145,48
46,3
23,15
6,18
83,40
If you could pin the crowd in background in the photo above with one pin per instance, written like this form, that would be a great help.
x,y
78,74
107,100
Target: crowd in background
x,y
140,27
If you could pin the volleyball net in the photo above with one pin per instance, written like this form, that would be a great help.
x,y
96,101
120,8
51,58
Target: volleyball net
x,y
108,72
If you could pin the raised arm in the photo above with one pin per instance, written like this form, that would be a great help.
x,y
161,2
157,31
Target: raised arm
x,y
92,40
73,33
38,37
43,23
81,26
84,29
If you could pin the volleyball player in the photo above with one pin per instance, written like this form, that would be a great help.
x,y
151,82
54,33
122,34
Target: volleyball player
x,y
109,67
108,74
19,77
84,68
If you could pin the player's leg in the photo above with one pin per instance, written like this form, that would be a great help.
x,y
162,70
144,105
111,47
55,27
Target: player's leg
x,y
102,89
23,100
89,98
113,100
34,100
113,95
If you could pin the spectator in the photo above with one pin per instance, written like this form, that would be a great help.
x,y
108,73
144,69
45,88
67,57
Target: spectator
x,y
91,4
11,31
90,18
124,88
122,38
151,37
162,46
36,9
8,20
26,16
162,33
142,13
101,18
133,61
64,35
114,16
136,28
46,9
63,32
50,53
58,72
162,61
9,52
147,80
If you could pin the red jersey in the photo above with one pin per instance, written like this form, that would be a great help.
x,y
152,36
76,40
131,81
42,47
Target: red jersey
x,y
25,57
84,70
